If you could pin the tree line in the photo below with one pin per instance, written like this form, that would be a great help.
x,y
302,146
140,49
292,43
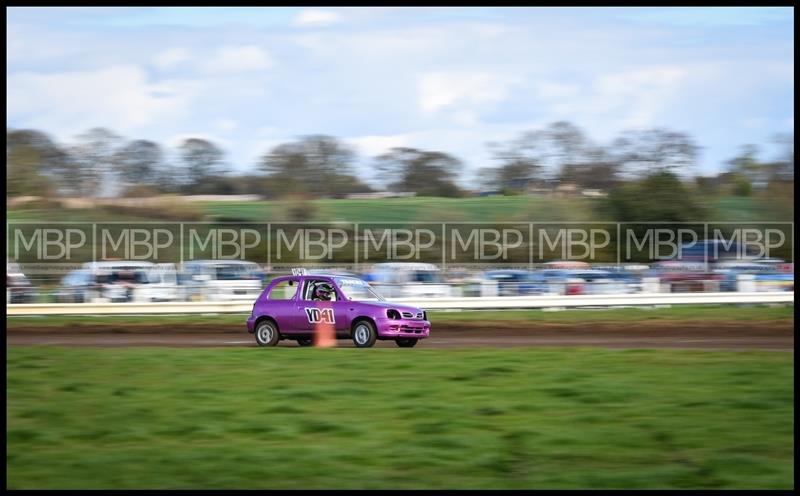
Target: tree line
x,y
100,162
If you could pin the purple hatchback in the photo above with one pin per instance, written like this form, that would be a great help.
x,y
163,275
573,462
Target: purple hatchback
x,y
292,307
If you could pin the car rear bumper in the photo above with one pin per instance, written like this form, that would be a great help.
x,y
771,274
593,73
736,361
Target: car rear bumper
x,y
251,323
403,328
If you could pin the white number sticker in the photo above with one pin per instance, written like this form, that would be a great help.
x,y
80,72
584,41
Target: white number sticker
x,y
320,315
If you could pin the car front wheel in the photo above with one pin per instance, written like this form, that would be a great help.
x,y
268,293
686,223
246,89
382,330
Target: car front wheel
x,y
406,342
364,334
267,334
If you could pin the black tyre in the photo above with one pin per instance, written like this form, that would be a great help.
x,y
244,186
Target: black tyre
x,y
364,334
267,333
305,342
406,342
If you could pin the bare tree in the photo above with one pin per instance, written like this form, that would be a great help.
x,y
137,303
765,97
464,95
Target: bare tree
x,y
645,152
94,158
317,165
138,162
426,173
34,163
202,160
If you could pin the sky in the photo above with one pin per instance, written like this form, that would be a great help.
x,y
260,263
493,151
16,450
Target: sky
x,y
446,79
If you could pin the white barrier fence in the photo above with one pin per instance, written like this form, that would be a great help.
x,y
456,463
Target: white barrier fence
x,y
460,303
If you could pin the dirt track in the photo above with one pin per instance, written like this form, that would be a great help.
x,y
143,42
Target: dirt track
x,y
771,335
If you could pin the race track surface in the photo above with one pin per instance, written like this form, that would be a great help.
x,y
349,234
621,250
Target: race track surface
x,y
767,335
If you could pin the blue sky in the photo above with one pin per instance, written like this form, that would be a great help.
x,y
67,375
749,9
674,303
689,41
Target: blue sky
x,y
449,79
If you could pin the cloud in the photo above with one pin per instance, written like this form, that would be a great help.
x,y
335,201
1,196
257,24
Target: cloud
x,y
632,98
439,90
754,122
375,145
120,97
550,90
226,125
316,17
170,58
712,16
237,59
644,92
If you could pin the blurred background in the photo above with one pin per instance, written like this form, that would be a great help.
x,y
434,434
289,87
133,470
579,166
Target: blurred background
x,y
208,121
404,115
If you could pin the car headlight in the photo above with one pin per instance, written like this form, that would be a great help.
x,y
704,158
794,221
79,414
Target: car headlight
x,y
393,314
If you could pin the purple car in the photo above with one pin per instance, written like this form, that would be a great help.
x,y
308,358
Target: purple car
x,y
293,307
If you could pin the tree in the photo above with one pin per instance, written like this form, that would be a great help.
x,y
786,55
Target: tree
x,y
201,160
317,165
660,196
784,165
36,165
138,162
560,151
567,143
597,170
426,173
644,152
93,155
520,162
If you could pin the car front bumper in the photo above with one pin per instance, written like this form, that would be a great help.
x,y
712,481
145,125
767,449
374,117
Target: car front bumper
x,y
403,328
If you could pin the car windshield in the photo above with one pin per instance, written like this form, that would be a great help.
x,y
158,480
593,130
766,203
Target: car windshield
x,y
426,276
231,272
76,278
126,276
356,289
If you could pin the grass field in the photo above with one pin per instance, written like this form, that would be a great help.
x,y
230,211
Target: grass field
x,y
678,313
342,418
418,209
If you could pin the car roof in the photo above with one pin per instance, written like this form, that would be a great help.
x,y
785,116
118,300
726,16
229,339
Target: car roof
x,y
106,264
406,266
219,262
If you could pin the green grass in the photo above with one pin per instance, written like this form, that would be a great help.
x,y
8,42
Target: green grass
x,y
418,209
678,313
391,418
410,210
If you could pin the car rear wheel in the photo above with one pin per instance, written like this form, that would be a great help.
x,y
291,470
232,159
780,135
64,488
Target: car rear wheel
x,y
364,334
406,342
267,334
305,342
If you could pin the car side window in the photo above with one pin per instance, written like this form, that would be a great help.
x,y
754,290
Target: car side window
x,y
310,292
284,290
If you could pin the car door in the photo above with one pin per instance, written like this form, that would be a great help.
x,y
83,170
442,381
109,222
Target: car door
x,y
281,303
310,313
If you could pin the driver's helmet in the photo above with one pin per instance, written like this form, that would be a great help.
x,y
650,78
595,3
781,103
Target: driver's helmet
x,y
323,292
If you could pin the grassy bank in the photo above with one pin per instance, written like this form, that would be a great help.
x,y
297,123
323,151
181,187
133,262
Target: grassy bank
x,y
677,313
410,210
342,418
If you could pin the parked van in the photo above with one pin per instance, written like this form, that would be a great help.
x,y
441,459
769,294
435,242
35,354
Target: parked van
x,y
221,280
18,288
119,281
400,279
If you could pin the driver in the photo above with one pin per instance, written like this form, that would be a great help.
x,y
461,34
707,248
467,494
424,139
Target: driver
x,y
322,292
